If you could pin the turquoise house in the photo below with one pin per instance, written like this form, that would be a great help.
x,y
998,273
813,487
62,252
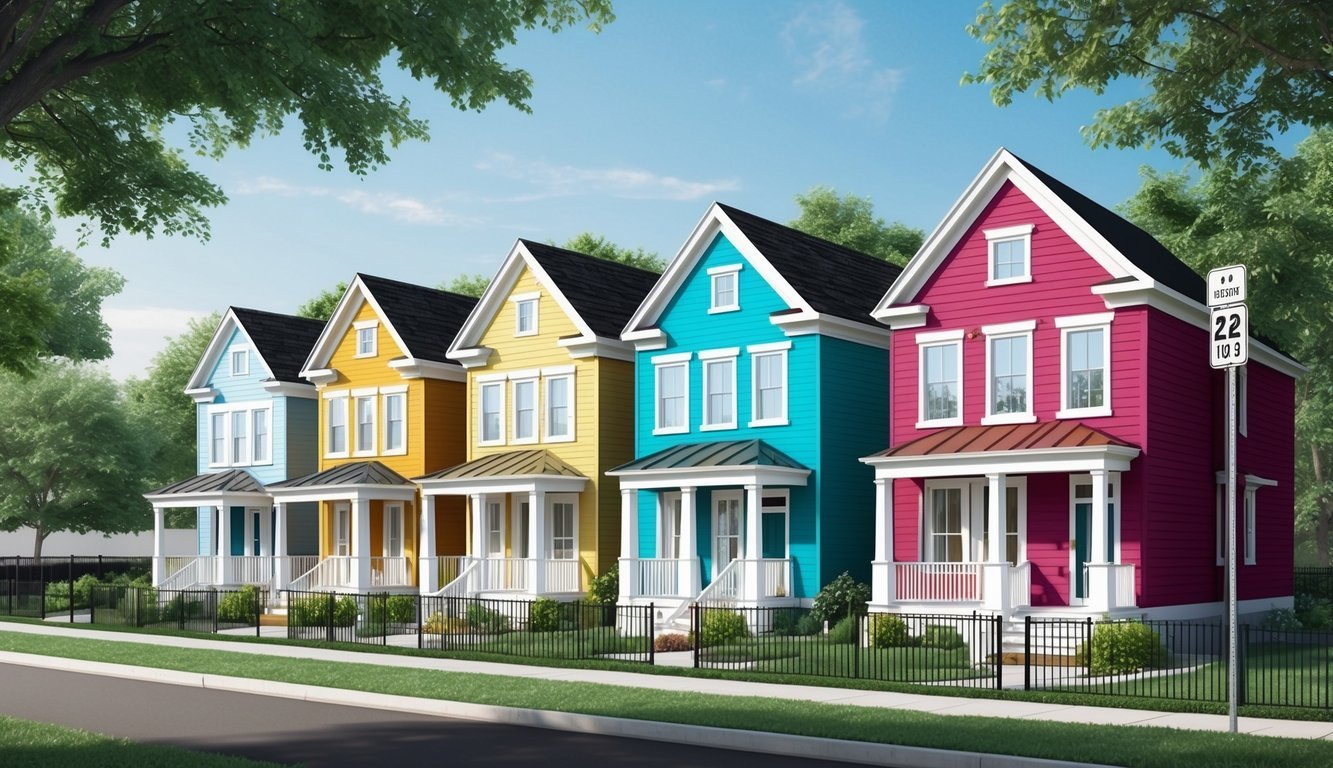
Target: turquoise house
x,y
759,382
256,424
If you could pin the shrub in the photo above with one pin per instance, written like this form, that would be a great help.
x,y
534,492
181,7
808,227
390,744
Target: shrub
x,y
722,626
483,619
844,632
889,631
401,609
784,621
1282,620
345,611
809,624
941,636
1313,612
83,590
57,596
439,624
544,615
308,611
239,606
840,595
1122,647
672,641
605,589
591,615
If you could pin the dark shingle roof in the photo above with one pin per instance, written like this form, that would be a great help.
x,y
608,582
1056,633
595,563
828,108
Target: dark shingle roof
x,y
1135,244
231,481
834,280
731,453
284,341
356,473
604,293
509,464
427,319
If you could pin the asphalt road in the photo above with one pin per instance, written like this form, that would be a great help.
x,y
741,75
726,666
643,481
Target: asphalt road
x,y
292,731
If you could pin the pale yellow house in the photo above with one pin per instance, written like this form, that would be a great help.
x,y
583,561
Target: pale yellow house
x,y
549,409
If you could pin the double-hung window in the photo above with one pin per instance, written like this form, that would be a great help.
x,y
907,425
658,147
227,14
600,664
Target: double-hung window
x,y
525,313
336,440
671,376
366,338
525,411
719,388
240,431
768,375
1009,258
217,424
365,424
1009,373
260,419
1085,365
492,412
724,293
941,381
240,362
559,419
562,531
394,439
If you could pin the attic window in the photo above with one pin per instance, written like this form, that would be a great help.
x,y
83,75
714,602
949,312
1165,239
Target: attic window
x,y
366,338
240,362
1009,258
725,290
525,313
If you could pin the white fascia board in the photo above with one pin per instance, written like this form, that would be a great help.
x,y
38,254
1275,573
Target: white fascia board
x,y
597,346
1110,458
343,493
212,499
320,376
902,317
642,479
289,389
202,394
342,318
413,368
467,486
213,352
804,324
471,357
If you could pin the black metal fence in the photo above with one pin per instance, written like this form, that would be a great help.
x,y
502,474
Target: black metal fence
x,y
202,610
41,587
352,617
961,650
1313,581
538,629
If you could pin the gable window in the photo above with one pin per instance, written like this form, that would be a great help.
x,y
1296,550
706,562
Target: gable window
x,y
240,431
395,423
240,362
1009,373
941,382
492,412
336,440
725,288
1085,370
1009,257
260,417
217,452
671,374
525,313
366,338
525,411
768,373
365,424
559,407
719,388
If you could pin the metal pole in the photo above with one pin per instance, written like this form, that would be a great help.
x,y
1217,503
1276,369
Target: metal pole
x,y
1232,681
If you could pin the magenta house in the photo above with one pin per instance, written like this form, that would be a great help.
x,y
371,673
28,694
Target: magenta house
x,y
1055,439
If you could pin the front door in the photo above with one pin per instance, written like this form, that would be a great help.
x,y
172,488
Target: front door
x,y
669,543
727,529
256,529
342,529
393,530
1082,537
773,525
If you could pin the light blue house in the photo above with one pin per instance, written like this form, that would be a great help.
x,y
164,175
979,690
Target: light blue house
x,y
256,424
759,382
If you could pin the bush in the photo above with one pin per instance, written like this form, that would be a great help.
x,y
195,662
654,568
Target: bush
x,y
722,626
834,600
1122,647
1312,612
83,590
401,609
941,636
57,596
483,619
889,631
308,611
239,607
672,641
1282,620
439,624
605,589
592,615
345,611
844,632
544,615
784,621
810,624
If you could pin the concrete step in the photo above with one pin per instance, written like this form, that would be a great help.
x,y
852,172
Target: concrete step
x,y
273,619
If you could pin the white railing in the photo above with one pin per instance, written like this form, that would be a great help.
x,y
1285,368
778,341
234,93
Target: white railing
x,y
501,574
171,565
247,569
657,577
560,575
299,565
776,574
330,572
389,572
450,567
938,582
727,587
196,570
1123,574
460,585
1020,585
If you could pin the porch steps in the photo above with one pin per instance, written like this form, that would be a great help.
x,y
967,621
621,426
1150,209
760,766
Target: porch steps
x,y
1047,651
273,618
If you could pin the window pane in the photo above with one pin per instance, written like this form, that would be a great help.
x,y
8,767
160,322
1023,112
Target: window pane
x,y
393,423
724,289
219,439
527,315
941,378
770,376
524,409
1009,375
239,430
671,396
365,341
261,435
1084,359
1009,258
365,424
557,404
719,375
490,412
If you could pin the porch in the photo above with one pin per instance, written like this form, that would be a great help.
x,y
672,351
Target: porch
x,y
243,546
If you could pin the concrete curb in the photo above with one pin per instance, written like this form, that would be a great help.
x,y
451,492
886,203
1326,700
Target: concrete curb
x,y
698,735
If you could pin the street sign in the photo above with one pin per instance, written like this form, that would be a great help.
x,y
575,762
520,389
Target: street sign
x,y
1226,285
1229,342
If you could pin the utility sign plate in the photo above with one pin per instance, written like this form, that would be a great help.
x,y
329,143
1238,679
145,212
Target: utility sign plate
x,y
1229,336
1226,285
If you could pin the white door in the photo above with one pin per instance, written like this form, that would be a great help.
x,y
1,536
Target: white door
x,y
726,529
342,529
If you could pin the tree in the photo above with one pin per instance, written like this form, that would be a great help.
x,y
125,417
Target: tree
x,y
26,311
600,247
70,458
321,306
851,221
467,284
1280,224
88,91
1222,77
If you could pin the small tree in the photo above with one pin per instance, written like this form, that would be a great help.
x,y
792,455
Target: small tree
x,y
839,597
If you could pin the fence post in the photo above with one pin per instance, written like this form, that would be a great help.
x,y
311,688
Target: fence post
x,y
1027,653
694,630
1242,683
259,611
998,632
330,617
99,568
71,590
856,642
652,644
420,608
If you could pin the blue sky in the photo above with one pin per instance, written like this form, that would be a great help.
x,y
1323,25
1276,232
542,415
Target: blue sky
x,y
633,132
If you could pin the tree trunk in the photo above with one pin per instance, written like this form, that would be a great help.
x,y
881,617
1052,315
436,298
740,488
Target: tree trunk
x,y
40,536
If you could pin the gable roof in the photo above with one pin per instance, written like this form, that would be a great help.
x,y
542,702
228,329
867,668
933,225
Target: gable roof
x,y
281,342
529,463
729,453
1005,437
231,481
355,473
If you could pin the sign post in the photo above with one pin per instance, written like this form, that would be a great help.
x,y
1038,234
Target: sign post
x,y
1229,348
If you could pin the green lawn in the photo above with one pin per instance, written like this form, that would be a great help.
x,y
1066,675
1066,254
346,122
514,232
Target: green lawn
x,y
819,656
560,644
26,744
1124,745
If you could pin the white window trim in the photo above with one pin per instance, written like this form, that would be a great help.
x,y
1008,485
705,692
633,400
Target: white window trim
x,y
964,487
226,410
268,436
1247,517
361,325
927,340
713,357
503,517
514,381
756,351
213,434
713,273
548,546
354,432
1002,331
518,300
1242,401
546,405
1021,232
244,351
713,499
482,385
1100,321
328,427
681,360
385,394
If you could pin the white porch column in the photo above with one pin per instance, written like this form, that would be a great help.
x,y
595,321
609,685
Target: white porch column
x,y
361,543
282,566
689,546
883,589
537,541
478,511
429,574
995,588
159,545
224,543
629,538
754,544
1099,579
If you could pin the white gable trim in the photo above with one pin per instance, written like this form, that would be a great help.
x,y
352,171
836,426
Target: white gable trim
x,y
343,316
199,380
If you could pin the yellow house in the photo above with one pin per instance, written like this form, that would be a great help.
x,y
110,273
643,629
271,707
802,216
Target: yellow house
x,y
549,409
391,407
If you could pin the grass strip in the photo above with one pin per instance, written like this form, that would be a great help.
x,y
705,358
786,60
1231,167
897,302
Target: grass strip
x,y
1130,746
28,744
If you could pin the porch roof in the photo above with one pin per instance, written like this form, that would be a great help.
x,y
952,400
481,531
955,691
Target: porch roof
x,y
210,488
359,479
730,462
508,471
1052,446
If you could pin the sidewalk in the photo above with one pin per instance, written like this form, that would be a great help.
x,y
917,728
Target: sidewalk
x,y
941,705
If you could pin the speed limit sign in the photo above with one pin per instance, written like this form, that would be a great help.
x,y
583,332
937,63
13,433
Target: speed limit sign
x,y
1229,339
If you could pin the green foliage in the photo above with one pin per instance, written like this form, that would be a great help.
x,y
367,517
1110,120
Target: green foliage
x,y
439,624
844,632
1122,647
467,285
598,246
92,90
720,626
1220,80
402,609
240,606
850,221
889,631
484,619
1314,612
794,622
345,611
605,589
941,636
671,642
321,305
840,595
316,610
1282,620
544,615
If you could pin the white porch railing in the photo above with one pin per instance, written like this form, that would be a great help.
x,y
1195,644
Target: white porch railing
x,y
1124,586
450,567
560,575
1109,586
776,574
727,587
195,570
247,569
389,572
657,577
501,574
461,585
1020,585
938,582
171,565
299,565
338,571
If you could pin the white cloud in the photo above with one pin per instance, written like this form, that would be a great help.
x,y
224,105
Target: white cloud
x,y
398,207
139,333
549,180
828,46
